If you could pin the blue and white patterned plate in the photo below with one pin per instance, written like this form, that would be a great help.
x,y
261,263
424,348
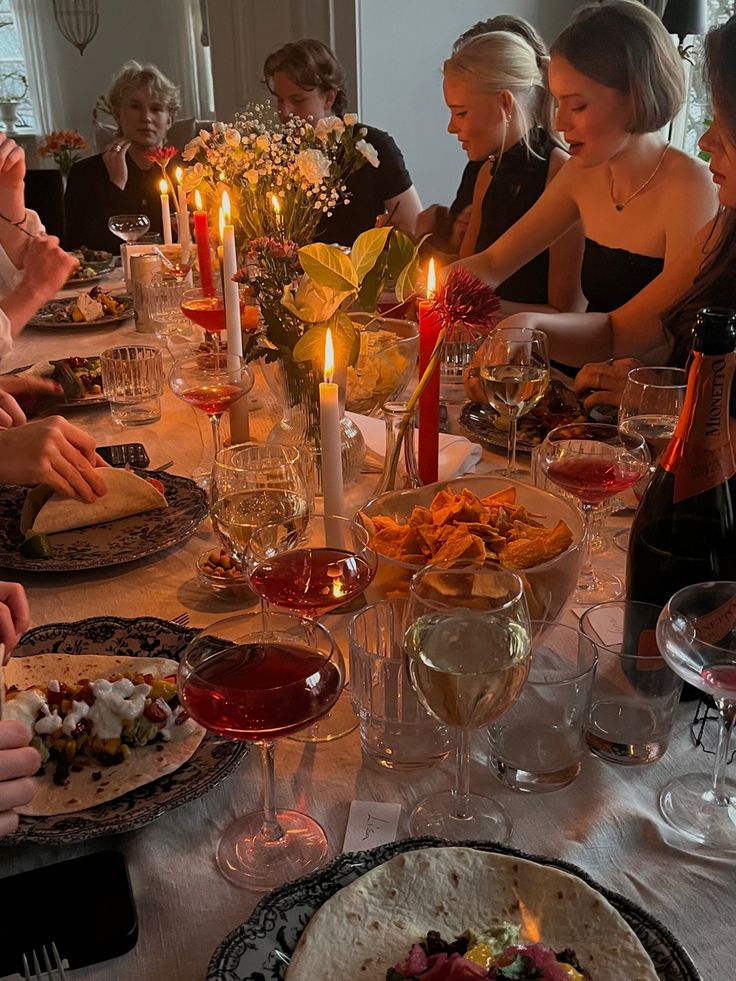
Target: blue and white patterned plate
x,y
214,759
111,543
260,949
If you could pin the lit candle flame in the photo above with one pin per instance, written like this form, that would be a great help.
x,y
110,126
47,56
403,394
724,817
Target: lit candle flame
x,y
179,175
226,206
198,200
329,356
276,205
431,280
222,223
163,186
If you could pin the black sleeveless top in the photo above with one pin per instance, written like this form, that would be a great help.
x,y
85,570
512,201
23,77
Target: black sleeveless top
x,y
518,181
611,277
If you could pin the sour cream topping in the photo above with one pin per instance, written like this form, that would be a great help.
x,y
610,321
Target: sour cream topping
x,y
116,702
24,706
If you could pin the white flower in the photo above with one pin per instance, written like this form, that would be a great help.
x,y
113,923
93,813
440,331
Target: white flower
x,y
313,165
218,127
232,137
252,177
192,148
350,119
193,176
262,143
369,152
327,125
204,135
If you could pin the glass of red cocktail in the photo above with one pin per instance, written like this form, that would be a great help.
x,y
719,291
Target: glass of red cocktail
x,y
259,678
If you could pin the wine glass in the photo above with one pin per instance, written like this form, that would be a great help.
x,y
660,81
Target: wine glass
x,y
205,308
696,634
515,373
208,380
467,652
129,228
255,485
593,462
651,403
326,573
247,678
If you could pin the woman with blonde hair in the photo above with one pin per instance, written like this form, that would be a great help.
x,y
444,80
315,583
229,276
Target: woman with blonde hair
x,y
617,80
122,180
492,86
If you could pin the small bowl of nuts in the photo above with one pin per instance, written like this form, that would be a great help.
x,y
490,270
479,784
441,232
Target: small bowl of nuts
x,y
218,570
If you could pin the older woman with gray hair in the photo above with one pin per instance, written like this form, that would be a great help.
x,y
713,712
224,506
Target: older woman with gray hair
x,y
122,180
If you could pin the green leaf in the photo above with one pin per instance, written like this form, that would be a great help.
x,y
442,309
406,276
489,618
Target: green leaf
x,y
328,265
311,346
372,285
367,248
313,302
406,281
401,251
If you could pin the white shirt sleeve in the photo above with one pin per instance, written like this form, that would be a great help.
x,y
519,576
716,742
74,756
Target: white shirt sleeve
x,y
10,277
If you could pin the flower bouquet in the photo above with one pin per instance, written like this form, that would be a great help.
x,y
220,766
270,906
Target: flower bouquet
x,y
64,146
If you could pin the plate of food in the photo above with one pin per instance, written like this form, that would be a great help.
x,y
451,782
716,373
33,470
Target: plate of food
x,y
98,260
159,760
95,308
141,514
368,912
79,377
559,406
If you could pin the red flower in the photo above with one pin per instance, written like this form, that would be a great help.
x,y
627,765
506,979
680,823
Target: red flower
x,y
465,300
162,155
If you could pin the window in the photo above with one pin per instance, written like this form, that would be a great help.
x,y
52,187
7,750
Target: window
x,y
16,110
697,106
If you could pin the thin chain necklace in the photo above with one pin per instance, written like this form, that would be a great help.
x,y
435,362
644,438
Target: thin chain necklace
x,y
620,206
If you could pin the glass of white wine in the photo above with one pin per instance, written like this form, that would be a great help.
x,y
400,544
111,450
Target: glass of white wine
x,y
515,373
467,652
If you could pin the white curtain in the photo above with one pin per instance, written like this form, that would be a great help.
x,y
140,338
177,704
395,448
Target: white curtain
x,y
46,90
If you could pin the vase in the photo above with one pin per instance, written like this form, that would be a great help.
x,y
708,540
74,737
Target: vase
x,y
402,472
296,385
457,354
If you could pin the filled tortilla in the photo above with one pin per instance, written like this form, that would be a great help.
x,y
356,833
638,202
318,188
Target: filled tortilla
x,y
91,783
373,922
45,512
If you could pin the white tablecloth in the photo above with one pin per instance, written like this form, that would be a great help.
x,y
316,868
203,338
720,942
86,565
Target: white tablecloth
x,y
606,822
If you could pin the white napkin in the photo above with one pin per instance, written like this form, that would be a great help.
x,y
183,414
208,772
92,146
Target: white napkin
x,y
457,454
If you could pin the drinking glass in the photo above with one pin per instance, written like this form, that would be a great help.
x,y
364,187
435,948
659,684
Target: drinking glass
x,y
132,382
250,679
323,574
593,462
163,301
129,228
208,380
255,485
651,403
696,633
205,308
467,651
515,373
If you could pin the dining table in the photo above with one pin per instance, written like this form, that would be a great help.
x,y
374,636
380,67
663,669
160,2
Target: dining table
x,y
606,822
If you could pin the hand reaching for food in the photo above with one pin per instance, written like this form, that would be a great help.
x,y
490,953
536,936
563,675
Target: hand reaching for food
x,y
18,763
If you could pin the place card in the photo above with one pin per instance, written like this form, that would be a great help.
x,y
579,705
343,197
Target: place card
x,y
608,625
371,823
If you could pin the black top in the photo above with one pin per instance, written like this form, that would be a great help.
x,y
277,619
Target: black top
x,y
519,179
368,189
91,198
611,277
464,196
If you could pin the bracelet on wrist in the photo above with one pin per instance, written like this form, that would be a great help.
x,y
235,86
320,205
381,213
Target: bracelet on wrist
x,y
17,224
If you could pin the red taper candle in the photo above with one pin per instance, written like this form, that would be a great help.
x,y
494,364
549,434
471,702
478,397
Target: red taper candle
x,y
202,236
429,400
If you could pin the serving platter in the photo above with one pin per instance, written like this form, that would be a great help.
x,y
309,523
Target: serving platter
x,y
111,543
213,760
50,316
260,949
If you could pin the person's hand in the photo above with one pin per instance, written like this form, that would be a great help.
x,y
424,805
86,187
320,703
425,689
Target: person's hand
x,y
19,393
471,379
12,165
431,220
116,163
46,267
52,451
459,227
15,617
18,763
602,383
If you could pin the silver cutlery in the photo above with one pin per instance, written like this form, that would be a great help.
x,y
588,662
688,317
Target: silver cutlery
x,y
53,972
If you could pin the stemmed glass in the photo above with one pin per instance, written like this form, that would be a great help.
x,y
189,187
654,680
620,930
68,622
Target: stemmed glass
x,y
651,403
467,651
515,374
208,380
593,462
256,485
245,678
129,228
323,574
696,634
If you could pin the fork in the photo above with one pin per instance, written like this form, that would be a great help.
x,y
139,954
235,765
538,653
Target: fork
x,y
55,973
182,619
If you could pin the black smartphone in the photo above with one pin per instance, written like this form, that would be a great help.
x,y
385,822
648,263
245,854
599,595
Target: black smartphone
x,y
124,454
108,928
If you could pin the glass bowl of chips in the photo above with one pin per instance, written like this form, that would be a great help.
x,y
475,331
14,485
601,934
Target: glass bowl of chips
x,y
525,529
388,356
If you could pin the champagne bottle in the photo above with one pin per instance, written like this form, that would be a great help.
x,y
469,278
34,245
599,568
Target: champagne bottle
x,y
684,530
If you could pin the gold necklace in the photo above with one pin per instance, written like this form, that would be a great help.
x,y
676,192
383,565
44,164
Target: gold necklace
x,y
647,182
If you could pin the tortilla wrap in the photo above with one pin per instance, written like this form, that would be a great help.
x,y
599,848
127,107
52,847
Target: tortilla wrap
x,y
145,763
45,512
372,923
